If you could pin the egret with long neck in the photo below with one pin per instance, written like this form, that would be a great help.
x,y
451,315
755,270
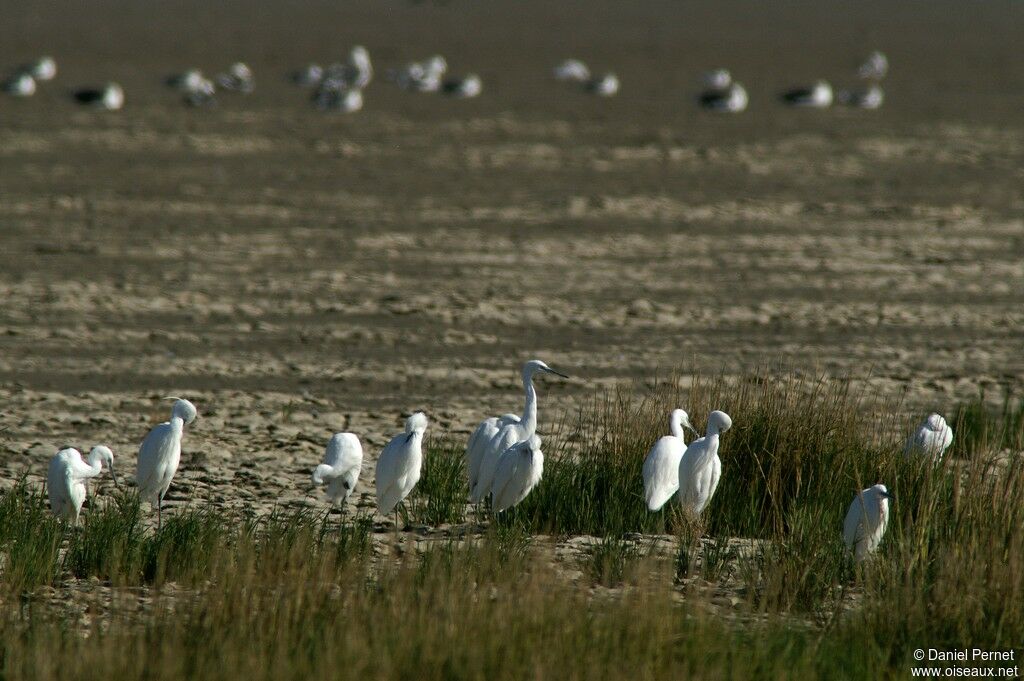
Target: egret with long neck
x,y
661,467
504,436
160,454
700,468
68,474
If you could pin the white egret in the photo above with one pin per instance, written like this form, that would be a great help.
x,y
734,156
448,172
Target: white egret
x,y
519,470
398,468
866,521
479,441
239,78
68,473
817,96
42,69
700,468
343,461
718,79
661,468
931,439
160,453
308,76
507,435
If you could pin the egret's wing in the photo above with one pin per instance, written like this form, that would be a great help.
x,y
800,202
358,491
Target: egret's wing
x,y
343,451
58,483
502,440
390,470
853,525
477,447
661,471
155,447
508,478
716,475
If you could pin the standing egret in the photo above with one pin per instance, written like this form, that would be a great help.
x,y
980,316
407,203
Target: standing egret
x,y
484,459
931,439
478,443
661,468
866,520
519,470
65,481
398,468
700,468
340,470
160,453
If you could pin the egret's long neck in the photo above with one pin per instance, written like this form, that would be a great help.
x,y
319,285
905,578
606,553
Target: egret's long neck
x,y
95,462
529,419
675,426
177,426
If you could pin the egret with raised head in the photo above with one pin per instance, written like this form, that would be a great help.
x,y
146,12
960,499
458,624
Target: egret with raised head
x,y
661,467
160,454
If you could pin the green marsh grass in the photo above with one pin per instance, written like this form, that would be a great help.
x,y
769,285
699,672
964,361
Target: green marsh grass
x,y
295,595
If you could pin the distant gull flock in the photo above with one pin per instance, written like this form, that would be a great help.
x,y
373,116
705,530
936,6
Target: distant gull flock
x,y
339,87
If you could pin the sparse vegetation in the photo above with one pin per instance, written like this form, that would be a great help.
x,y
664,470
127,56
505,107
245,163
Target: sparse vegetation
x,y
301,594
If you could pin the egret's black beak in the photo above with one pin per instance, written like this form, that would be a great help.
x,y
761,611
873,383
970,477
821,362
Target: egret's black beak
x,y
556,373
114,476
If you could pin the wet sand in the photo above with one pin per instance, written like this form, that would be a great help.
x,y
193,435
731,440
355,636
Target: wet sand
x,y
295,273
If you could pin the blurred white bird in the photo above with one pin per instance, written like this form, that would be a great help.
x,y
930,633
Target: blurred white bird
x,y
110,97
421,76
308,76
661,468
20,85
931,439
330,97
483,459
519,469
572,69
875,67
733,99
871,98
817,96
866,521
343,461
700,468
464,88
160,453
605,86
42,69
68,473
718,79
398,468
238,78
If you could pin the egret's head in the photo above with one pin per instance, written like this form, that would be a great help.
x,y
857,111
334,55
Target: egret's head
x,y
535,365
935,422
883,493
360,55
719,422
184,410
103,453
417,423
437,65
683,419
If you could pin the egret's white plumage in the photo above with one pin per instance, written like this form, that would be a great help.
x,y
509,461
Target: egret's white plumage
x,y
931,439
110,97
67,475
519,469
661,468
718,79
506,436
20,85
479,442
43,69
398,468
866,521
160,453
464,88
700,468
343,461
239,78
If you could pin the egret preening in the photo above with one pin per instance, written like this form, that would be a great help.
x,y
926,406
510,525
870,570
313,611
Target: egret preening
x,y
398,468
661,468
65,481
931,439
482,456
866,521
519,470
340,470
160,453
700,468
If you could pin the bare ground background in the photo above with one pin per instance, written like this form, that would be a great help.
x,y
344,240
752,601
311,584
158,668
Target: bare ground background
x,y
295,273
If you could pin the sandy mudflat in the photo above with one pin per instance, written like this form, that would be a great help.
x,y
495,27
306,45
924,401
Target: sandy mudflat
x,y
295,274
